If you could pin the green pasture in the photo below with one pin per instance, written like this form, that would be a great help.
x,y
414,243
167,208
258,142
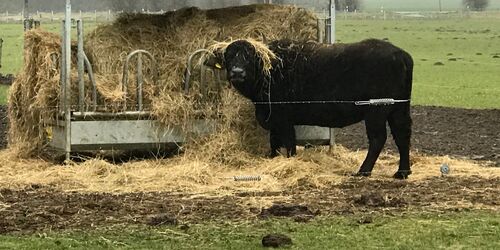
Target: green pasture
x,y
420,5
469,76
472,230
467,48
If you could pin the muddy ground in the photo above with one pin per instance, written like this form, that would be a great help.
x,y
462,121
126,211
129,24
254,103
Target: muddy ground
x,y
40,208
472,134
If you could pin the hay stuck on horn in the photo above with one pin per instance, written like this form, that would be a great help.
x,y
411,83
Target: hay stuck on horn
x,y
261,50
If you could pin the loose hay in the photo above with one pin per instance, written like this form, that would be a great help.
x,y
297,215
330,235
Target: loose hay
x,y
311,169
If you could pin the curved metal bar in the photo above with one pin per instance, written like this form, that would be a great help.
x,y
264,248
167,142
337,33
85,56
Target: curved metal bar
x,y
139,77
187,79
81,70
92,79
125,74
219,83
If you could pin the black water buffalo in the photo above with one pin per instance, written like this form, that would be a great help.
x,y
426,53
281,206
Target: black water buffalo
x,y
314,84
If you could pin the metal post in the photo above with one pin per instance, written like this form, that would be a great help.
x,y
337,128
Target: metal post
x,y
67,80
26,16
331,40
62,64
331,30
321,31
139,82
81,71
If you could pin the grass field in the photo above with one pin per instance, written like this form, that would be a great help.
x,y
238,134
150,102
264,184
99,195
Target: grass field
x,y
476,230
467,48
421,5
470,74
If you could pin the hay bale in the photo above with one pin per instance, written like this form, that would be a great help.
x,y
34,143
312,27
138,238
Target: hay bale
x,y
33,97
170,37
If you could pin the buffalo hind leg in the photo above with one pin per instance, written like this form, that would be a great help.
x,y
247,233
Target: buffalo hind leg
x,y
377,135
400,123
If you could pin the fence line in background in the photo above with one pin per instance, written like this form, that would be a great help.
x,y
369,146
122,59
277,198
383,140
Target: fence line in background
x,y
104,16
52,17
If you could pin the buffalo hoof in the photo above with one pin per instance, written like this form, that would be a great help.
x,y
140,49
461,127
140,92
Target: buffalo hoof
x,y
402,174
272,155
362,174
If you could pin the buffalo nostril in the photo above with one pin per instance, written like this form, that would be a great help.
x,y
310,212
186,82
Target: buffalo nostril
x,y
237,70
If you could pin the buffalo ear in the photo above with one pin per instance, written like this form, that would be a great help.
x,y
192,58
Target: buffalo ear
x,y
215,61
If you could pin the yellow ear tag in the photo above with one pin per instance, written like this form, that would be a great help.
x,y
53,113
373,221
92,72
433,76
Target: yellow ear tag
x,y
218,66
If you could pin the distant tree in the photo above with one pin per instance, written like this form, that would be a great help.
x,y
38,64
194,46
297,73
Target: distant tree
x,y
478,5
127,6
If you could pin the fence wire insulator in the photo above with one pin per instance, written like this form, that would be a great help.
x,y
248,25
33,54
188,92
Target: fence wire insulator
x,y
247,178
377,102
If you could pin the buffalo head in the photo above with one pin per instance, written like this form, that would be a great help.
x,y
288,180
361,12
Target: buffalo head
x,y
240,58
244,66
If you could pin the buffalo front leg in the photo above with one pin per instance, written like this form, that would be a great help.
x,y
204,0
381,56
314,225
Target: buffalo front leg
x,y
283,137
290,141
377,135
275,142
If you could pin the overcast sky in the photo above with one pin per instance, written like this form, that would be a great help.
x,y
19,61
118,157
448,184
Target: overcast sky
x,y
90,5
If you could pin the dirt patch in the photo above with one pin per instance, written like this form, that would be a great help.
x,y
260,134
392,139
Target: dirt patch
x,y
162,220
46,209
435,194
276,240
287,210
6,79
42,208
376,199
